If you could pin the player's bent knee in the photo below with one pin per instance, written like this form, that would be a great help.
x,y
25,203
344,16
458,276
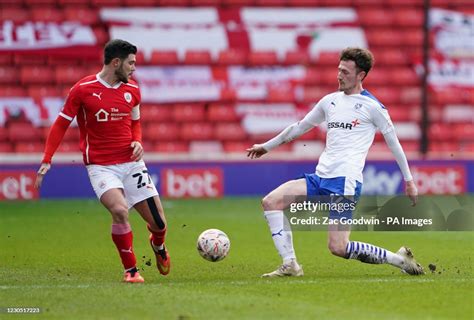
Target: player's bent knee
x,y
119,213
269,202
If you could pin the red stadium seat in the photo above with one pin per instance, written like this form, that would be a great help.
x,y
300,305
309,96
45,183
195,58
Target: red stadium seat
x,y
15,14
161,132
230,132
404,76
101,35
210,3
238,2
12,91
386,95
29,59
232,56
173,3
140,3
197,57
164,57
36,75
384,37
68,75
280,94
40,91
271,3
155,114
375,17
171,147
140,56
312,76
84,15
314,94
304,3
5,147
62,60
72,135
464,132
43,3
6,59
29,147
23,132
293,57
69,147
263,57
410,95
327,75
9,75
391,57
106,3
327,59
197,131
407,3
412,37
47,14
377,77
408,18
189,113
440,132
236,146
73,3
222,113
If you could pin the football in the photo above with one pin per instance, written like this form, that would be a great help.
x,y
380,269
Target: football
x,y
213,245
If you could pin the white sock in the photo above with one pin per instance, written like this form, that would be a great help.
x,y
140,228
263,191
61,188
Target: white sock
x,y
369,253
281,234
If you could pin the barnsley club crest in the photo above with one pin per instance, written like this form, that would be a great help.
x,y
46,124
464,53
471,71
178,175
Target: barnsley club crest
x,y
127,96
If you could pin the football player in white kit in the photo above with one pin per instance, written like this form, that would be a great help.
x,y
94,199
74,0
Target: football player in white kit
x,y
352,115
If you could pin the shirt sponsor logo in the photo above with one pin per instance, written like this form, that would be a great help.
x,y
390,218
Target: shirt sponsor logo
x,y
343,125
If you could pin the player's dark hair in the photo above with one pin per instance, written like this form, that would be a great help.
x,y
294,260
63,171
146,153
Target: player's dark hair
x,y
363,58
118,49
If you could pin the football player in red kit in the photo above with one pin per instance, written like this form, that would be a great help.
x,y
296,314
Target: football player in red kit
x,y
107,107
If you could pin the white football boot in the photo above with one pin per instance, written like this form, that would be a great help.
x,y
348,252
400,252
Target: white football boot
x,y
410,266
292,269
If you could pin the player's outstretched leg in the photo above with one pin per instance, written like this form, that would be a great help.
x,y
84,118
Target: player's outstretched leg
x,y
273,205
369,253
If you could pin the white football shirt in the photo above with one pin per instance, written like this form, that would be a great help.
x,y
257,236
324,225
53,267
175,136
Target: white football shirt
x,y
352,121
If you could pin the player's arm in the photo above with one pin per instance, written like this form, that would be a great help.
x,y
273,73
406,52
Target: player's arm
x,y
56,133
290,133
383,122
136,144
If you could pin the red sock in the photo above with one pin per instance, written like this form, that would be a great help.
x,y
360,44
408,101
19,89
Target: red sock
x,y
158,237
123,238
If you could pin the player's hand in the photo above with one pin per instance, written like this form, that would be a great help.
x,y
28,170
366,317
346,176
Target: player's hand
x,y
40,175
412,192
256,151
137,154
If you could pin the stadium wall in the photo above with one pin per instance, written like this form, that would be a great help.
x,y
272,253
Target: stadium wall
x,y
218,179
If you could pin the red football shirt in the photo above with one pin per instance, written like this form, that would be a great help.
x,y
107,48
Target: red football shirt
x,y
104,114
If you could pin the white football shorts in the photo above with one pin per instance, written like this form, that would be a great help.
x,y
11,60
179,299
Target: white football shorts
x,y
132,177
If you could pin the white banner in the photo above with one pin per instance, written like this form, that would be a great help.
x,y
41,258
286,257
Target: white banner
x,y
297,17
253,83
213,39
451,73
454,33
42,35
178,84
161,16
314,41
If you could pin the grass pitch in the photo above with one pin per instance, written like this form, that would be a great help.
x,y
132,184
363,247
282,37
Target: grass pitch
x,y
58,256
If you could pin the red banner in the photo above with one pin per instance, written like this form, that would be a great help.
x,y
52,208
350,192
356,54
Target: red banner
x,y
192,183
18,185
440,179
